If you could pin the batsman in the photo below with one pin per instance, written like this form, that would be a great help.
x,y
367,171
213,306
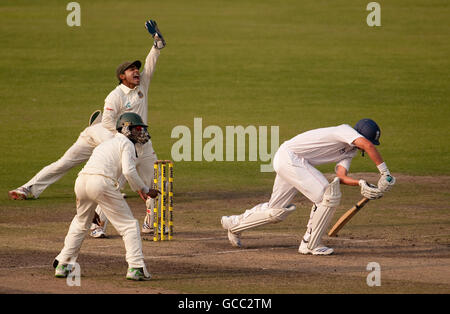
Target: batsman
x,y
294,164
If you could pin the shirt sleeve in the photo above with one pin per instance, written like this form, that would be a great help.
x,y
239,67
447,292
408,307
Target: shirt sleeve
x,y
129,168
111,112
149,67
344,163
345,133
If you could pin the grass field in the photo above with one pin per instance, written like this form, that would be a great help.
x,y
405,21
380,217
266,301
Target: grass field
x,y
294,64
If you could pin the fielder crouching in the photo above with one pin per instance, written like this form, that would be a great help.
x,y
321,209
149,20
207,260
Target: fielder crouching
x,y
294,164
97,184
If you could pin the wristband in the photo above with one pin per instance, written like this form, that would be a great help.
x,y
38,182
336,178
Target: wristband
x,y
383,168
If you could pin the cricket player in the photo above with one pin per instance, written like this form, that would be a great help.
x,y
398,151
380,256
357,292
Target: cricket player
x,y
294,164
129,96
97,184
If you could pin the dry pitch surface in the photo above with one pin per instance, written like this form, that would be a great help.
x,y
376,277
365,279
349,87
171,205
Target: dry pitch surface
x,y
406,232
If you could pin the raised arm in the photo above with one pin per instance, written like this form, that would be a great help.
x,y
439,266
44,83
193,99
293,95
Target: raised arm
x,y
150,62
149,67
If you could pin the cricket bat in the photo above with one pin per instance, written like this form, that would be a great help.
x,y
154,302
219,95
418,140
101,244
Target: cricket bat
x,y
346,217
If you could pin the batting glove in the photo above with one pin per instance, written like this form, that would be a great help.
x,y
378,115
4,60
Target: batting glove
x,y
152,28
386,182
370,191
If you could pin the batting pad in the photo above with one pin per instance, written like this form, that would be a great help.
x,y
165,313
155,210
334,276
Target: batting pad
x,y
150,203
321,216
255,218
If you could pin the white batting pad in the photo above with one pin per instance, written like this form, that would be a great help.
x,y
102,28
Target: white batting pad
x,y
332,195
150,203
321,215
261,215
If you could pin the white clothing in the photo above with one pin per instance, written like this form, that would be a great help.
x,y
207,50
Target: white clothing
x,y
111,159
97,183
294,166
123,99
325,145
78,153
295,160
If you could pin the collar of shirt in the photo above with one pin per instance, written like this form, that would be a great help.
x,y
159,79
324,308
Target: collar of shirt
x,y
126,89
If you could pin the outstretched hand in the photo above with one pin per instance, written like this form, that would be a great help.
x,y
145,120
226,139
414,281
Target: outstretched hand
x,y
152,28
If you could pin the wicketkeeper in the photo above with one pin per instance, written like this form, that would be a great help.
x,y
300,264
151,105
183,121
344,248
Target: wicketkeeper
x,y
295,162
131,95
97,184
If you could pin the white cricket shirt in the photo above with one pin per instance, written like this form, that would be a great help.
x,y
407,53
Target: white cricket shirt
x,y
325,145
113,158
123,99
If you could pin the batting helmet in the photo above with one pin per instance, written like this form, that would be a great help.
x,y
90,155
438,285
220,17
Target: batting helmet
x,y
129,119
369,129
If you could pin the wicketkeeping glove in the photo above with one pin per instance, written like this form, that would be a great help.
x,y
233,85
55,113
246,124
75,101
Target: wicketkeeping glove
x,y
152,28
370,191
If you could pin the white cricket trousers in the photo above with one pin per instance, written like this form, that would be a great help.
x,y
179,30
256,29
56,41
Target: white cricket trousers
x,y
91,190
294,174
78,153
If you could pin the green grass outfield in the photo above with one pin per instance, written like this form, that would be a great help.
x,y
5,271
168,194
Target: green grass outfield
x,y
295,64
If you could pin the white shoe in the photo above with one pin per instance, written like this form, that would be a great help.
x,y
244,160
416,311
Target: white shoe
x,y
97,232
319,250
61,270
146,228
234,238
21,193
137,274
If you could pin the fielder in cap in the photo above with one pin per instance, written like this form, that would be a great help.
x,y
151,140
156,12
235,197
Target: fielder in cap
x,y
295,162
98,184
